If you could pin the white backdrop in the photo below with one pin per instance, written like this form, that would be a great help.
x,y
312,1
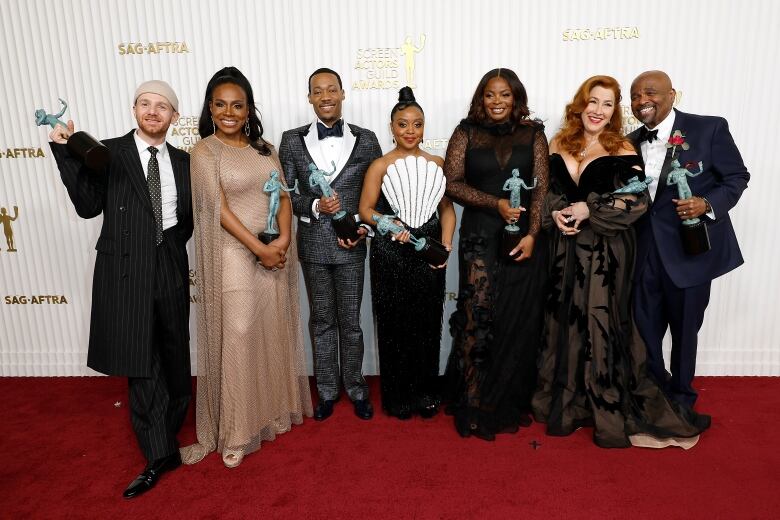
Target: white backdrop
x,y
721,55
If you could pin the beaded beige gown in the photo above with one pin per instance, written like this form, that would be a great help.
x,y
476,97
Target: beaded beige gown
x,y
252,379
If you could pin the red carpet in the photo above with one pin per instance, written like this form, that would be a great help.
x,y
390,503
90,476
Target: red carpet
x,y
66,451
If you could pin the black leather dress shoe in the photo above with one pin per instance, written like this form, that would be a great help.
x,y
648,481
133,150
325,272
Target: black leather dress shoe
x,y
324,409
151,474
363,409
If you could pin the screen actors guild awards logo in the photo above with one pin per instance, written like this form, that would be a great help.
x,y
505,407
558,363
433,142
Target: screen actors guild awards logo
x,y
5,221
184,132
380,68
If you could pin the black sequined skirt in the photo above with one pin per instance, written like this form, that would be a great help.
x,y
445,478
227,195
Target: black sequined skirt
x,y
408,301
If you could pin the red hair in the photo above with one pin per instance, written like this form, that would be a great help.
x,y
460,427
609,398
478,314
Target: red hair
x,y
571,136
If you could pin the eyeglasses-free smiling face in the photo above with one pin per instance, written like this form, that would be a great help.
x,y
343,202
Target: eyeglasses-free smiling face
x,y
229,110
326,96
598,110
498,100
407,127
154,115
652,97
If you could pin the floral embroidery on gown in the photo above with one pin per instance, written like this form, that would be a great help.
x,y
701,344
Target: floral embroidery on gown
x,y
496,328
592,365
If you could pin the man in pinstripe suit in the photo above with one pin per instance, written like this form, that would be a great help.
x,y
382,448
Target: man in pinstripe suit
x,y
140,294
333,270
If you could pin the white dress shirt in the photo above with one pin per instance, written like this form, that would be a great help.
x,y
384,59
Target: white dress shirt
x,y
654,153
330,149
167,180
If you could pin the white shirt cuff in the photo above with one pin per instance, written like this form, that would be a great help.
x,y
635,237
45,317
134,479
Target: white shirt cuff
x,y
370,231
315,208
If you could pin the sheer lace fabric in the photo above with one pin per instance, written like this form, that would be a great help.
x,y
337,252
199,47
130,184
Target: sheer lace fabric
x,y
473,191
497,323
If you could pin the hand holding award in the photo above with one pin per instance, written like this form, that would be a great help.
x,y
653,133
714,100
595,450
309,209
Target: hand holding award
x,y
91,151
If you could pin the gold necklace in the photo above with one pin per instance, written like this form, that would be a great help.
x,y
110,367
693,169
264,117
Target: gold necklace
x,y
585,150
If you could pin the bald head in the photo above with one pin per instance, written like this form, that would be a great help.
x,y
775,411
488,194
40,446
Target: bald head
x,y
652,97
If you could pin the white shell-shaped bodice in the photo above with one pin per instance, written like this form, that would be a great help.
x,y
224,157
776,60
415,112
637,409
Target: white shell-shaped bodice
x,y
414,187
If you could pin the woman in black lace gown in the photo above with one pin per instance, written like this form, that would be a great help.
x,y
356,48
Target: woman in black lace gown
x,y
497,325
407,293
592,366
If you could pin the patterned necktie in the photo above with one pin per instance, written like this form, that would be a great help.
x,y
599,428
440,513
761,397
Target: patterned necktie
x,y
153,180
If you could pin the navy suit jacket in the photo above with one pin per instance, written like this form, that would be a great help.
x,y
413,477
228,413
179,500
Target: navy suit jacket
x,y
722,181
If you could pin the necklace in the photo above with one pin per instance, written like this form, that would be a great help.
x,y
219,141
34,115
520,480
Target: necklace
x,y
585,150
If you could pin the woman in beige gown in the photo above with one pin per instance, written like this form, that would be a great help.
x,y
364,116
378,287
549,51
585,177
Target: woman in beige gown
x,y
252,380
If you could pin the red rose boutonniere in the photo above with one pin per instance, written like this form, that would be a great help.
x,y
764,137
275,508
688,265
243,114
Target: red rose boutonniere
x,y
677,139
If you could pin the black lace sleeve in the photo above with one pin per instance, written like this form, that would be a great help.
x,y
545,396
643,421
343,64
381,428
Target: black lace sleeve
x,y
454,169
542,174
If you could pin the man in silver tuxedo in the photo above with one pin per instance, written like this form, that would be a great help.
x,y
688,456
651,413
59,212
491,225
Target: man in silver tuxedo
x,y
333,270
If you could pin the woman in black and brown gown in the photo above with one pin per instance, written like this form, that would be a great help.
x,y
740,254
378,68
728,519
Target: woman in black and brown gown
x,y
592,366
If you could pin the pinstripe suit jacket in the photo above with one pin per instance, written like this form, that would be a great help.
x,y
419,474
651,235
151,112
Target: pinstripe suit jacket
x,y
317,241
121,327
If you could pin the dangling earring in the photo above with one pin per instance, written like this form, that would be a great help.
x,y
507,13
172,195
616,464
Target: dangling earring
x,y
213,125
246,127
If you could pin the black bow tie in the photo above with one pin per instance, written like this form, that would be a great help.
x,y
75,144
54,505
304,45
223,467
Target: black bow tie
x,y
647,135
336,131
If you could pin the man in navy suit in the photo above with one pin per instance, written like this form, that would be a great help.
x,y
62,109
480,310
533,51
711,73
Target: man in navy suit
x,y
672,288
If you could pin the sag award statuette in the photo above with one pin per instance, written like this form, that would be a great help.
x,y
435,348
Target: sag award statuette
x,y
693,231
634,185
92,152
512,234
428,249
694,234
272,187
345,225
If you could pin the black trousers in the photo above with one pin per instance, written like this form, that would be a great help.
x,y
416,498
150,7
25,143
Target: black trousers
x,y
158,404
